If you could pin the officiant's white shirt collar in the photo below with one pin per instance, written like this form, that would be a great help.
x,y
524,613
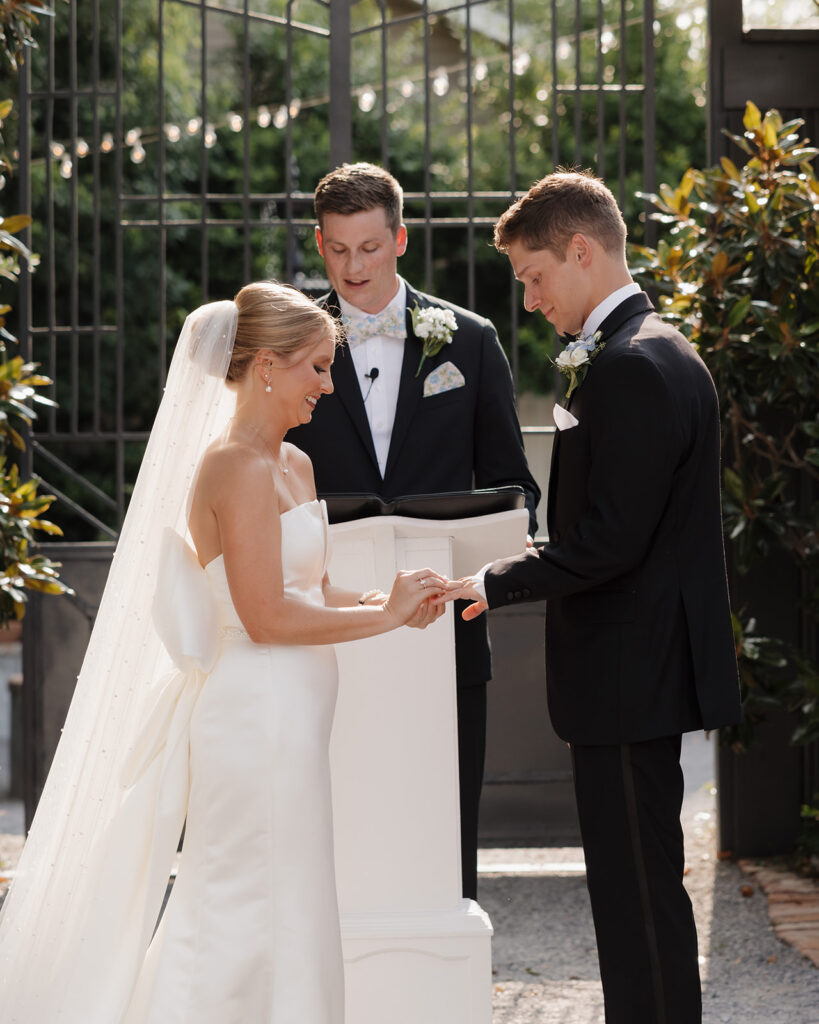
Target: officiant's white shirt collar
x,y
608,305
398,303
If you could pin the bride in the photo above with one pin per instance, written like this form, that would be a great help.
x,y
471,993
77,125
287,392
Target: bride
x,y
206,698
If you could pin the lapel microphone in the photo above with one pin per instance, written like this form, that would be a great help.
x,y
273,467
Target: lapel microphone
x,y
372,376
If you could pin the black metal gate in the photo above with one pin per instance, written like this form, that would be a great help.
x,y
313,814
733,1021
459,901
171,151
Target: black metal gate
x,y
168,154
169,150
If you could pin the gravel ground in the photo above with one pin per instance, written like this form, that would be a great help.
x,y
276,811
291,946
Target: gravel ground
x,y
545,962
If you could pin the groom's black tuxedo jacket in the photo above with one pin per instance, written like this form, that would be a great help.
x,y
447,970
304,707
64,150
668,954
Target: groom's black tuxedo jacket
x,y
454,441
639,642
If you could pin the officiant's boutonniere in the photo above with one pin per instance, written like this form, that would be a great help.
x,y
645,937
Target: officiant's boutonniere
x,y
434,326
575,359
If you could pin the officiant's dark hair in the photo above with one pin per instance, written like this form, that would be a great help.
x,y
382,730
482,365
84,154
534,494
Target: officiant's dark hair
x,y
558,207
354,188
277,317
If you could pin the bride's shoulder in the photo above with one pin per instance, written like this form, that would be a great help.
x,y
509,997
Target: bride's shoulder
x,y
231,463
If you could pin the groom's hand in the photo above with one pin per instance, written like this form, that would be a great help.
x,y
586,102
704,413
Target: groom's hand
x,y
464,590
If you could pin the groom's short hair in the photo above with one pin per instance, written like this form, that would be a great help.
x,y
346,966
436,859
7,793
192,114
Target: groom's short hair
x,y
559,206
353,188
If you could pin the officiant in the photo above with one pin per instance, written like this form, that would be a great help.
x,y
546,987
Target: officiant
x,y
424,404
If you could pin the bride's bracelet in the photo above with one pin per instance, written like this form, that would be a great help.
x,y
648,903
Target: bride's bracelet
x,y
366,597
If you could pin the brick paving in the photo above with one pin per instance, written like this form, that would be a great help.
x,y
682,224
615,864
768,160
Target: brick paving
x,y
793,904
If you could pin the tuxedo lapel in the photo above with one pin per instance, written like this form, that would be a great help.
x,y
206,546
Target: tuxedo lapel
x,y
346,386
634,305
410,388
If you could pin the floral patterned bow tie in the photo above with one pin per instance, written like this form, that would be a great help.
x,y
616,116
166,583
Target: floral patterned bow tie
x,y
389,322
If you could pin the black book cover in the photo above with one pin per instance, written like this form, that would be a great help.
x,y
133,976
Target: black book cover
x,y
341,508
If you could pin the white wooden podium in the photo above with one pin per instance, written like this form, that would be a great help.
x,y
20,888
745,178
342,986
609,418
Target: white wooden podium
x,y
415,951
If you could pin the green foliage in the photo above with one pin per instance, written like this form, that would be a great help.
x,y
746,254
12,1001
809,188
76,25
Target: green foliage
x,y
739,274
807,845
18,19
21,569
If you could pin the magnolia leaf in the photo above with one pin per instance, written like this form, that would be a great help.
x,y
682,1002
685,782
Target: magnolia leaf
x,y
811,428
46,527
14,437
730,168
46,586
734,485
15,223
812,456
752,118
687,183
6,107
719,263
753,205
739,311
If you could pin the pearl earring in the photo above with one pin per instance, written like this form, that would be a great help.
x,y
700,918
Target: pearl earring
x,y
268,388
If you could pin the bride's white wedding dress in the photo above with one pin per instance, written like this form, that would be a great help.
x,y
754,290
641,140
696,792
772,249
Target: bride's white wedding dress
x,y
251,932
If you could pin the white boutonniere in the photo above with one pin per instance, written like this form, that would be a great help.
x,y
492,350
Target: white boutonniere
x,y
434,326
575,359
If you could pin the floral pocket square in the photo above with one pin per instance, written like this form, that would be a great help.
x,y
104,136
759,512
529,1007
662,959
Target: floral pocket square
x,y
445,377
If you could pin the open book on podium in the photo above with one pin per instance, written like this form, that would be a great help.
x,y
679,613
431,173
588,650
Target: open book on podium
x,y
415,951
477,521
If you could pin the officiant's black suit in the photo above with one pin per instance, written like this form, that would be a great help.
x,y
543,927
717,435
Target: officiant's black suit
x,y
461,439
639,645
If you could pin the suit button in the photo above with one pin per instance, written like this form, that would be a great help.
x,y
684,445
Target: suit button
x,y
510,595
527,593
517,594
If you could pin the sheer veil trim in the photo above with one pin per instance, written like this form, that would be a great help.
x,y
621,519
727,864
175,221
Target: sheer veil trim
x,y
95,866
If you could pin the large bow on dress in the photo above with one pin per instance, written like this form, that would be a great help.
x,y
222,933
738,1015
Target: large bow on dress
x,y
156,770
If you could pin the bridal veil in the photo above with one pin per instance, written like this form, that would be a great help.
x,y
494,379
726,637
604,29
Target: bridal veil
x,y
91,880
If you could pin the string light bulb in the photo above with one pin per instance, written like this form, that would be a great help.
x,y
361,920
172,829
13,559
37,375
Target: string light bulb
x,y
263,117
83,149
107,143
193,125
209,137
57,150
173,133
440,84
235,121
66,168
366,100
138,153
280,118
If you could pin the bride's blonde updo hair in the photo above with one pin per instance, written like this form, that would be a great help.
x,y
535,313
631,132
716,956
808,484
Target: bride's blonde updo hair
x,y
280,318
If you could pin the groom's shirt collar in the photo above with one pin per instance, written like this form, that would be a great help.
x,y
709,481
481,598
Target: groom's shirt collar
x,y
608,305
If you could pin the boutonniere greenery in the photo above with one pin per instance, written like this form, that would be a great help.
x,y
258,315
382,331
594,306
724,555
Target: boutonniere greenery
x,y
575,359
434,326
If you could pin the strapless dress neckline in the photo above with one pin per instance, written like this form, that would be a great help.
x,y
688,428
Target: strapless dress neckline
x,y
287,511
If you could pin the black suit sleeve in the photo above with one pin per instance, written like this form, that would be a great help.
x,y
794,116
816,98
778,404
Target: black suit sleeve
x,y
500,459
635,446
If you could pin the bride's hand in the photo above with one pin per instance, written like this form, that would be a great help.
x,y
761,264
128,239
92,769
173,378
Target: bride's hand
x,y
410,591
427,613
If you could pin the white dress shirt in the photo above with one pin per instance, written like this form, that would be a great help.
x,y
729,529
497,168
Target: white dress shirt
x,y
608,305
590,325
387,354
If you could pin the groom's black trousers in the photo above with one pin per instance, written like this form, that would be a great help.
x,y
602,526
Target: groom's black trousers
x,y
629,798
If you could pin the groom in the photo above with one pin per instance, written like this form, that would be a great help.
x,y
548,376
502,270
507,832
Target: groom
x,y
391,430
639,645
